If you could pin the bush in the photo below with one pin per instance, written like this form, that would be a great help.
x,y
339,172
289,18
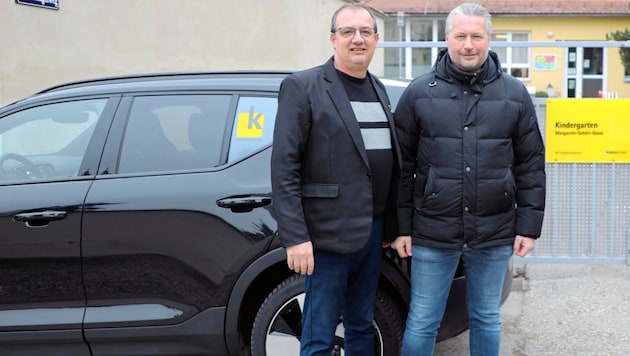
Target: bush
x,y
624,52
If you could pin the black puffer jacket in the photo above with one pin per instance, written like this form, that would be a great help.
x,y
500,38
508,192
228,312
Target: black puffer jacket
x,y
473,158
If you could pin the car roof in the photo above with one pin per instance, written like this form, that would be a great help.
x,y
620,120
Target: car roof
x,y
245,79
242,81
259,81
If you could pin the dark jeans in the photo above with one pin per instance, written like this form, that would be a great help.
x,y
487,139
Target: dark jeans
x,y
342,284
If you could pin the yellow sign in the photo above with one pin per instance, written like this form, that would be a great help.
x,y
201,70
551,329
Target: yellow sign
x,y
250,124
588,131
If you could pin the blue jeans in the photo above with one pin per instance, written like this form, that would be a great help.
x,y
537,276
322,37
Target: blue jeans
x,y
342,284
432,272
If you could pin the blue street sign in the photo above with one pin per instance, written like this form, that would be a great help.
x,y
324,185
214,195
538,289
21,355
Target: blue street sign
x,y
49,4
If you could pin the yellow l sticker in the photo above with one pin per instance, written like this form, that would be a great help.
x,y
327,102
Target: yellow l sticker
x,y
250,125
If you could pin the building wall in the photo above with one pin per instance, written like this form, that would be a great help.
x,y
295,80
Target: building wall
x,y
569,29
87,39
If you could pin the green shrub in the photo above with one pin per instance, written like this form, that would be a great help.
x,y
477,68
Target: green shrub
x,y
624,52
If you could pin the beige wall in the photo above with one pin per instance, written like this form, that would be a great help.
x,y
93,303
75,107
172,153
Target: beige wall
x,y
85,39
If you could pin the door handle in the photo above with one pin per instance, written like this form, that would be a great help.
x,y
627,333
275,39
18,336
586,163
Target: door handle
x,y
244,204
40,218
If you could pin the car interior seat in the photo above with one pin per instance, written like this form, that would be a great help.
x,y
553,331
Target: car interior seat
x,y
146,147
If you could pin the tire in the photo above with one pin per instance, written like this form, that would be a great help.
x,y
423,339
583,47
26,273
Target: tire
x,y
278,324
389,323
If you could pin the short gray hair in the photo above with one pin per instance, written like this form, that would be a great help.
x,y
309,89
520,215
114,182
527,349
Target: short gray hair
x,y
469,9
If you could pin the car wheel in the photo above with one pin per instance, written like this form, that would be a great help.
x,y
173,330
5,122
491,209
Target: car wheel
x,y
278,324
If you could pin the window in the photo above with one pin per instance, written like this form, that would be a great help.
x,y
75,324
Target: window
x,y
421,59
411,62
48,141
253,126
394,57
514,60
174,132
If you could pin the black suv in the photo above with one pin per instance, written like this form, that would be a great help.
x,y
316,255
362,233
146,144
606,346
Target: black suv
x,y
136,219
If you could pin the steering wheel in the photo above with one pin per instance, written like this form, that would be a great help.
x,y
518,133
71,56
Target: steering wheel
x,y
30,169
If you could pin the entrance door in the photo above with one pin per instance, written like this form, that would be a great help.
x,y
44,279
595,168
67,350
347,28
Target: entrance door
x,y
585,72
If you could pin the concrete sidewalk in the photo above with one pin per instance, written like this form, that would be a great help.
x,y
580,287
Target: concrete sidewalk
x,y
559,309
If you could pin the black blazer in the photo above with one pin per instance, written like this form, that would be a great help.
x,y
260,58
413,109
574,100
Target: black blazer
x,y
320,174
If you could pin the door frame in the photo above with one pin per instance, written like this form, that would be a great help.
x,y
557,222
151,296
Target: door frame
x,y
574,73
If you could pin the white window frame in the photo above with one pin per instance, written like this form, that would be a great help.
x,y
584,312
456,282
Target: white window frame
x,y
507,62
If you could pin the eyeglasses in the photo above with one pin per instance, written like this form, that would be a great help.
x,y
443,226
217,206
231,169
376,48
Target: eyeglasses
x,y
349,32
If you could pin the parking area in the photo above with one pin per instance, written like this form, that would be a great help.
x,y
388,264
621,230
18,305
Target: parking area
x,y
562,309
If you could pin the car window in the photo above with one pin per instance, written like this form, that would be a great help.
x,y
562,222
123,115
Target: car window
x,y
253,126
47,142
172,132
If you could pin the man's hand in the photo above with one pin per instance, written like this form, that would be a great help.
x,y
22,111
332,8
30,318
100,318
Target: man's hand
x,y
402,245
523,245
300,258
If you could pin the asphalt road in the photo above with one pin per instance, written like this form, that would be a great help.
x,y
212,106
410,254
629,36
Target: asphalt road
x,y
562,309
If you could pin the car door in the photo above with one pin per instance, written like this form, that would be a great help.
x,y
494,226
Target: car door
x,y
48,157
179,210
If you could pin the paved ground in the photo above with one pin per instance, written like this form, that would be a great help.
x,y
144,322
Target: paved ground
x,y
558,309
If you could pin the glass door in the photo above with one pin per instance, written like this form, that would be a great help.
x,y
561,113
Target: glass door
x,y
585,72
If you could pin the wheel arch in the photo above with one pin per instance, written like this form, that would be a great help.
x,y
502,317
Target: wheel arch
x,y
395,278
250,290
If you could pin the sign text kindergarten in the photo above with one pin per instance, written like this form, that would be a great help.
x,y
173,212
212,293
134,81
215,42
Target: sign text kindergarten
x,y
588,131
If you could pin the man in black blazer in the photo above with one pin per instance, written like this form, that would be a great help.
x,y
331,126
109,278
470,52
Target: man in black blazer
x,y
335,164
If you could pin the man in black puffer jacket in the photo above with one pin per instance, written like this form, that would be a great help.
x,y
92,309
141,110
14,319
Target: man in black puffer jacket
x,y
472,185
